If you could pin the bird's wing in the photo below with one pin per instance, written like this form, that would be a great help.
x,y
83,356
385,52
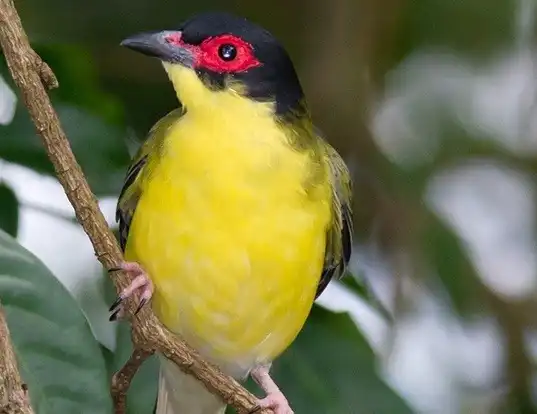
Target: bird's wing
x,y
339,235
147,154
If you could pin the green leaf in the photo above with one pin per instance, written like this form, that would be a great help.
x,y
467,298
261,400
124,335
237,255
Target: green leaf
x,y
330,369
58,356
9,210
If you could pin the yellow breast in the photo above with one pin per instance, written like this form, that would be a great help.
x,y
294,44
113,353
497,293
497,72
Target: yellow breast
x,y
232,240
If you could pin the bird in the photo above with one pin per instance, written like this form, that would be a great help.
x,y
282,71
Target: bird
x,y
235,212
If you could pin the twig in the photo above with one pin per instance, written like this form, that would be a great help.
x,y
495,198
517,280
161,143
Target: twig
x,y
32,76
122,379
13,392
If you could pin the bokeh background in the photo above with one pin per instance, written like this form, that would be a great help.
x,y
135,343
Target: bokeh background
x,y
433,105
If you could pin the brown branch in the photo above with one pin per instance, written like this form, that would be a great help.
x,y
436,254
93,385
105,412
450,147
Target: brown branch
x,y
13,392
122,379
33,76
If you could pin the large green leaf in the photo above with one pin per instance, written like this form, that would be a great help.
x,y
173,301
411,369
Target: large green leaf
x,y
330,369
59,358
9,210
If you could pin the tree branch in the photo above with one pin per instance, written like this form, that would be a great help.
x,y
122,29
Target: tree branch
x,y
122,379
13,392
33,76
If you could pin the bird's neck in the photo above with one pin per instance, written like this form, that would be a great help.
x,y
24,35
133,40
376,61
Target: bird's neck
x,y
198,98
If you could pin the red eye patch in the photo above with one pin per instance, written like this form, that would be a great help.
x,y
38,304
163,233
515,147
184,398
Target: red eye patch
x,y
210,53
211,50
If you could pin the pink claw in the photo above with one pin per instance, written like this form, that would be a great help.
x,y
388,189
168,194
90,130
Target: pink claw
x,y
274,398
141,282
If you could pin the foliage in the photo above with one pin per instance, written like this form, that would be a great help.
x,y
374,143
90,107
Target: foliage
x,y
59,358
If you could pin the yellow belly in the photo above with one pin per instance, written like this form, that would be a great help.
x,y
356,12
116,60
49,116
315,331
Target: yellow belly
x,y
233,244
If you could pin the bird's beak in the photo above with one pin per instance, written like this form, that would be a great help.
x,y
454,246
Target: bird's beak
x,y
162,45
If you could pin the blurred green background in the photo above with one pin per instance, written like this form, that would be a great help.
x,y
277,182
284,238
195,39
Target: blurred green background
x,y
433,105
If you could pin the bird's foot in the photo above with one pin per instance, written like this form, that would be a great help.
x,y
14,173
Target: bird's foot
x,y
277,402
140,281
274,397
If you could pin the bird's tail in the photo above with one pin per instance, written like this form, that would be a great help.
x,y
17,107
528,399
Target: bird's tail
x,y
180,393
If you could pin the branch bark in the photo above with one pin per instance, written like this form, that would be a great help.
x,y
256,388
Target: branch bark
x,y
32,76
122,379
13,392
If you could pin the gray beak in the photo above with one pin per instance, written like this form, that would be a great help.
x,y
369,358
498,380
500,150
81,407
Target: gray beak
x,y
155,44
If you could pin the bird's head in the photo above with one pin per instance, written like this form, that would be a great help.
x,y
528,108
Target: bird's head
x,y
221,53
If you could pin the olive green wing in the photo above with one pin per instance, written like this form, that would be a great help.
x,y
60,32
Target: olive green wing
x,y
141,164
339,235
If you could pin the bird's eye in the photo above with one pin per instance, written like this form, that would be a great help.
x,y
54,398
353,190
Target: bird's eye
x,y
227,52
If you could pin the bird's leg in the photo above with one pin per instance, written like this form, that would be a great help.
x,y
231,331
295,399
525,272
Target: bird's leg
x,y
274,398
140,281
